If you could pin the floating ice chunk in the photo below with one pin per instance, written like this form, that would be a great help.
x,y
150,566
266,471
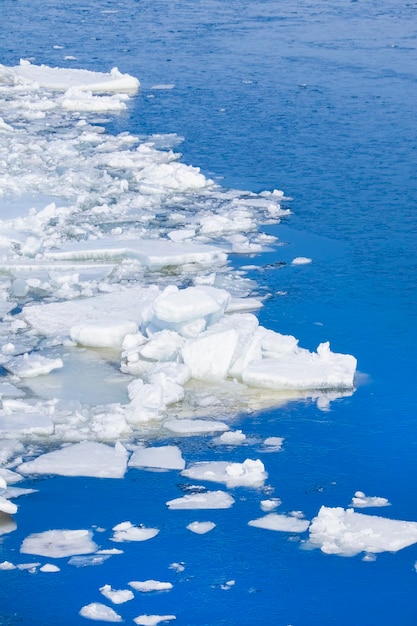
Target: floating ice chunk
x,y
126,531
117,596
201,528
49,568
179,306
88,561
76,99
273,444
100,612
108,334
9,390
231,438
153,620
250,473
345,532
360,500
61,79
7,523
303,370
7,507
33,364
270,505
301,260
162,346
163,457
207,500
88,458
146,586
7,565
285,523
192,427
59,543
274,343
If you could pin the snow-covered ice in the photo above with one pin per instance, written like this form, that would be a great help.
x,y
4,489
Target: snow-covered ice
x,y
206,500
284,523
59,543
146,586
201,528
250,473
126,531
117,596
100,612
361,501
346,533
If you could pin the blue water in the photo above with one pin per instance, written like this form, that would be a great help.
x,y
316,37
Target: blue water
x,y
319,99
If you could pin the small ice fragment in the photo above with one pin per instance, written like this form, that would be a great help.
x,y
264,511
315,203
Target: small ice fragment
x,y
228,585
360,500
194,426
274,443
146,586
6,565
7,507
31,365
270,505
49,568
152,620
231,438
207,500
177,567
100,612
301,260
284,523
201,528
369,557
117,596
126,531
59,543
88,561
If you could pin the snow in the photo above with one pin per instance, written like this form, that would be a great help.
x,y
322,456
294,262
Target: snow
x,y
346,533
284,523
207,500
126,531
88,458
59,543
201,528
162,457
250,473
146,586
100,612
117,596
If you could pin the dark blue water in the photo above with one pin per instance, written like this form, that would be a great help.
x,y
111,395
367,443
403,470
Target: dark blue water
x,y
319,99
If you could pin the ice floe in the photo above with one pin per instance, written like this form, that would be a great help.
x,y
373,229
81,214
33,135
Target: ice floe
x,y
250,473
117,596
59,543
361,501
283,523
100,612
201,528
153,620
162,457
145,586
126,531
346,533
88,458
206,500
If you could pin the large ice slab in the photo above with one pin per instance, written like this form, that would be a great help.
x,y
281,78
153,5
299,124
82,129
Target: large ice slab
x,y
346,533
88,458
59,543
161,457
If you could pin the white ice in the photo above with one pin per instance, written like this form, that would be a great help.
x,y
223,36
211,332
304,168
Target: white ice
x,y
361,501
346,533
284,523
194,426
231,438
59,543
163,457
153,620
88,458
146,586
33,364
301,260
126,531
49,568
117,596
100,612
201,528
250,473
206,500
